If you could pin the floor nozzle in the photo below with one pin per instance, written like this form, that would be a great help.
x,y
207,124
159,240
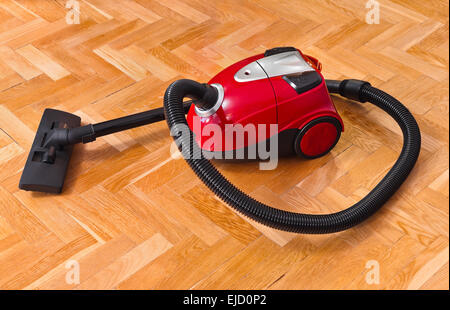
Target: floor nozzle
x,y
47,162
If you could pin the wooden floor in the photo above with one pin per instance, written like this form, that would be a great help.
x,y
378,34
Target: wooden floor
x,y
131,217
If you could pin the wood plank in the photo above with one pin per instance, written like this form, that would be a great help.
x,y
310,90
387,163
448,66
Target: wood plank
x,y
54,70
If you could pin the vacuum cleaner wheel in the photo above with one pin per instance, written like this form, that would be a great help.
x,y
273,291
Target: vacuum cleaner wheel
x,y
317,137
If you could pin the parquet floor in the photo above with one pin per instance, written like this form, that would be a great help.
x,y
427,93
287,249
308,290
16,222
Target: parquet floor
x,y
131,217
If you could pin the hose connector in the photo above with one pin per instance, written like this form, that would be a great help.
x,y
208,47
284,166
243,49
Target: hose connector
x,y
209,98
351,89
211,101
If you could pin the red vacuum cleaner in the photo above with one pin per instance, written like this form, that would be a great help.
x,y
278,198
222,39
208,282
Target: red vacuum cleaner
x,y
282,89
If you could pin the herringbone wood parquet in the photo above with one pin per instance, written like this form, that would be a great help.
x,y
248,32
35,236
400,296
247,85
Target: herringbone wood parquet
x,y
133,217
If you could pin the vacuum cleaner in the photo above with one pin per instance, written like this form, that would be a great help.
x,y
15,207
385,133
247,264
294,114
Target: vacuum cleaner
x,y
281,86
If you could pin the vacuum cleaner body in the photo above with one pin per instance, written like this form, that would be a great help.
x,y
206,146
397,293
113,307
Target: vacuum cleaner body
x,y
280,87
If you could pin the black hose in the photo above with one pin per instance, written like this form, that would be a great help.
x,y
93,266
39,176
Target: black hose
x,y
285,220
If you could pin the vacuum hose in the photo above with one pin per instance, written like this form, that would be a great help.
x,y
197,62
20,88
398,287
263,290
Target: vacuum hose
x,y
285,220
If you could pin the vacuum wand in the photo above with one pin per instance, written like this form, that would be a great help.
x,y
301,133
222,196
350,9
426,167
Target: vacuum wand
x,y
47,162
203,99
58,131
60,137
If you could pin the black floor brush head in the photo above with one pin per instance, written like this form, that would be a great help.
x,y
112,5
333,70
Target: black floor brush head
x,y
46,167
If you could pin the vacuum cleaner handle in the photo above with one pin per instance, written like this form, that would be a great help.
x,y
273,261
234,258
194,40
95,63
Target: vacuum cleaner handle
x,y
84,134
204,98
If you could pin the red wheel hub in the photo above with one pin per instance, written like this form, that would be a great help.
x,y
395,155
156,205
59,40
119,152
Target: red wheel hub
x,y
318,139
